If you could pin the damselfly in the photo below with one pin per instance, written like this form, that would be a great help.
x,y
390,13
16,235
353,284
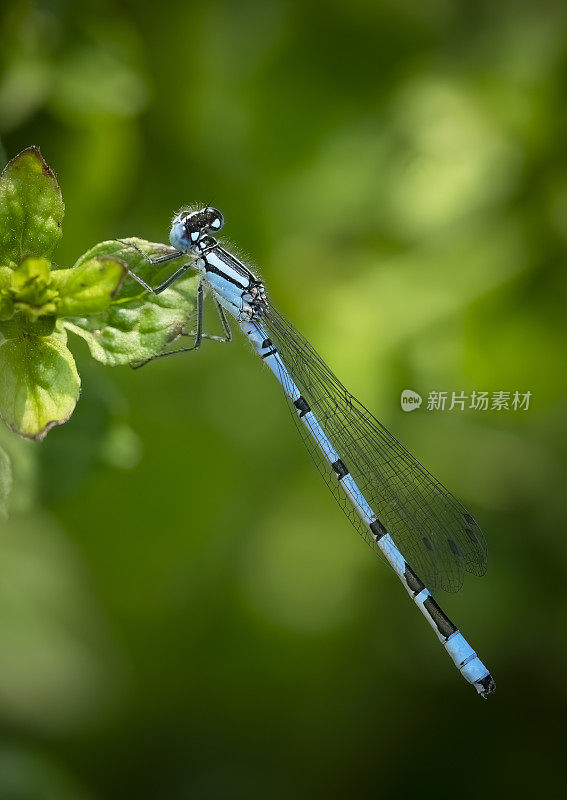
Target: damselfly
x,y
399,508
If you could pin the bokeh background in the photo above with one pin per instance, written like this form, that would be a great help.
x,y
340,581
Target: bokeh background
x,y
184,612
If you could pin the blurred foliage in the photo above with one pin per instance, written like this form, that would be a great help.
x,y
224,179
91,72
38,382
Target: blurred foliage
x,y
183,611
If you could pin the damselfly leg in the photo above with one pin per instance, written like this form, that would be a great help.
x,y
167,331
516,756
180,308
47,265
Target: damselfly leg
x,y
155,290
158,260
199,335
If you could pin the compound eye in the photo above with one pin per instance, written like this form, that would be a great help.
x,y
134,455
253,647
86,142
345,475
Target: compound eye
x,y
216,219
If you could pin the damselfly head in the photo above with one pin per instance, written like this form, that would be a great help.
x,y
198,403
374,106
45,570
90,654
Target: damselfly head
x,y
189,227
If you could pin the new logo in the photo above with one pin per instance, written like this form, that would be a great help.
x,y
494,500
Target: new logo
x,y
410,400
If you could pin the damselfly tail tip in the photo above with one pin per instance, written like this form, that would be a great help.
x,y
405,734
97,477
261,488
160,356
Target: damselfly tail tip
x,y
486,685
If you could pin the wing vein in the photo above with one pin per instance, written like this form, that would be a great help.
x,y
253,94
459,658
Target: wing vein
x,y
432,530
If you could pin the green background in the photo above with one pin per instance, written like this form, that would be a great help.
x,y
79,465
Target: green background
x,y
184,612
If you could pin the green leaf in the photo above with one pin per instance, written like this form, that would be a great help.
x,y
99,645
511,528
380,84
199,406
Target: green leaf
x,y
6,301
20,324
5,481
138,325
89,287
5,278
6,306
31,289
31,208
32,273
40,385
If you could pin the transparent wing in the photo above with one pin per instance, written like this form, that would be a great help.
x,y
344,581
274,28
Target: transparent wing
x,y
432,530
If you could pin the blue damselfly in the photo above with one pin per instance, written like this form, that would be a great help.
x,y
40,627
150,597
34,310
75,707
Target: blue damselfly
x,y
399,508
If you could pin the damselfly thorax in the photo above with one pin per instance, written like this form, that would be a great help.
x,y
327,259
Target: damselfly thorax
x,y
235,287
